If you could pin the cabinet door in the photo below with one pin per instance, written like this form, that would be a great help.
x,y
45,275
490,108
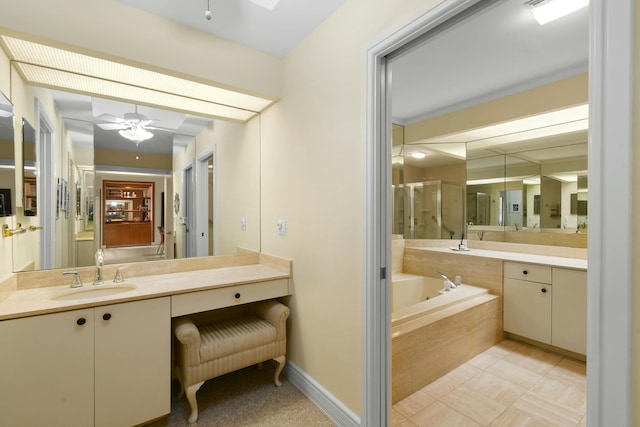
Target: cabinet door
x,y
569,310
527,309
132,362
46,370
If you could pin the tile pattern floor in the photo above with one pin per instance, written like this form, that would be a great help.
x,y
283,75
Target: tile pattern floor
x,y
510,384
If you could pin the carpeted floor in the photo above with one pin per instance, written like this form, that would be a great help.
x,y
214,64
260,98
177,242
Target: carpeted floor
x,y
246,398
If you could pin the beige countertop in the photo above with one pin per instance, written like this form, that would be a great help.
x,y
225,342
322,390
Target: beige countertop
x,y
29,302
554,261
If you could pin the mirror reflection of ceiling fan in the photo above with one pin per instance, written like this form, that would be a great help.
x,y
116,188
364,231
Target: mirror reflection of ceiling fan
x,y
133,126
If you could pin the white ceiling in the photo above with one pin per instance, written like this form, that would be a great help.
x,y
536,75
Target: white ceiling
x,y
275,31
496,52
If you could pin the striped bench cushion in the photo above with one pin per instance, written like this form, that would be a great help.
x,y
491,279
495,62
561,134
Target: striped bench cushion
x,y
224,337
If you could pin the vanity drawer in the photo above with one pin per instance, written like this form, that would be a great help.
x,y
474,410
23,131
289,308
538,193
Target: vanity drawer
x,y
196,302
530,272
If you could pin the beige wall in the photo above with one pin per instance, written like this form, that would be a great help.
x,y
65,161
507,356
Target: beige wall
x,y
313,161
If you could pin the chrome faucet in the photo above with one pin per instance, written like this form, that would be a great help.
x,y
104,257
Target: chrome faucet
x,y
450,282
77,283
99,264
119,278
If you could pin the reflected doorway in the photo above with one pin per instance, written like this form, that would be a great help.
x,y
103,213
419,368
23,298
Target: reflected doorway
x,y
188,211
205,204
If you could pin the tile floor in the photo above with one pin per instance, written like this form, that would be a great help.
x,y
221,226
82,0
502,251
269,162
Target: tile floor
x,y
510,384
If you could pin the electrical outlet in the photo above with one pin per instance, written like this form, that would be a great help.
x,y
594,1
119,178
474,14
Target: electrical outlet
x,y
243,224
282,227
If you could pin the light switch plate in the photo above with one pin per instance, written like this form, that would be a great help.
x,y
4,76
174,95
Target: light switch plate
x,y
282,227
243,224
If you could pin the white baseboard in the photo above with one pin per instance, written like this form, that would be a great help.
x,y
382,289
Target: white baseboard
x,y
338,412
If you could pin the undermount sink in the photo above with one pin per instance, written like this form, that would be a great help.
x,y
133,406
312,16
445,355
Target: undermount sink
x,y
94,292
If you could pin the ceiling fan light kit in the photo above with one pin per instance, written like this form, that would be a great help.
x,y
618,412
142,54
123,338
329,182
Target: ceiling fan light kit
x,y
136,134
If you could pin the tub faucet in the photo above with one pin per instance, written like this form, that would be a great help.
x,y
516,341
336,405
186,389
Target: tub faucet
x,y
450,282
99,264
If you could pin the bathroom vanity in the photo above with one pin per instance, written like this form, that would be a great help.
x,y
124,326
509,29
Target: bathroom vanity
x,y
546,304
102,355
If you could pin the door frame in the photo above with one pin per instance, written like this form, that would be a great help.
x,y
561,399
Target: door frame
x,y
46,185
610,172
201,202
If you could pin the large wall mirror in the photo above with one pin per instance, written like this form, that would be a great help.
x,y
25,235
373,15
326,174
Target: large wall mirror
x,y
498,151
7,159
107,179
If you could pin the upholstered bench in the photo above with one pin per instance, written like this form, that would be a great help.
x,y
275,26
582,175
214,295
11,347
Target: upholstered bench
x,y
217,347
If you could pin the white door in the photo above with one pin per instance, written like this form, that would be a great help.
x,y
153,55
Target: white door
x,y
204,235
188,213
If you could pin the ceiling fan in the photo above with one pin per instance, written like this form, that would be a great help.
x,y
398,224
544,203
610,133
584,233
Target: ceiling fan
x,y
132,126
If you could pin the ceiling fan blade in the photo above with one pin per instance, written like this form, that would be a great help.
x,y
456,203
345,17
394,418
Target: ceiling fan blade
x,y
112,126
110,118
157,128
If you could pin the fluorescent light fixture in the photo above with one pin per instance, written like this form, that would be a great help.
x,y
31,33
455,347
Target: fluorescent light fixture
x,y
63,69
545,11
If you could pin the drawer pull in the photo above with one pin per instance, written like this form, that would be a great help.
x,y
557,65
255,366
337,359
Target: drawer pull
x,y
544,291
106,316
237,295
81,321
525,272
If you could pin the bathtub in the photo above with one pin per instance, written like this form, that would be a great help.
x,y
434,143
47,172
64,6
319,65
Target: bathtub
x,y
434,332
414,296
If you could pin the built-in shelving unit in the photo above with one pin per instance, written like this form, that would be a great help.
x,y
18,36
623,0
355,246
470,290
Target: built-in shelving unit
x,y
30,197
128,213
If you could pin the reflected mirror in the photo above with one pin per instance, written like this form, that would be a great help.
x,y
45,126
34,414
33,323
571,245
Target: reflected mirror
x,y
115,189
29,171
521,112
7,159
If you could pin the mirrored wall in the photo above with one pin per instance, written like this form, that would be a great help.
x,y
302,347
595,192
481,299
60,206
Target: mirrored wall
x,y
87,150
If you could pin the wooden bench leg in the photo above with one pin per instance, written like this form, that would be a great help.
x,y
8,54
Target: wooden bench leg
x,y
281,361
191,397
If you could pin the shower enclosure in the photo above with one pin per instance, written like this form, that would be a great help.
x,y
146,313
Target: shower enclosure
x,y
429,210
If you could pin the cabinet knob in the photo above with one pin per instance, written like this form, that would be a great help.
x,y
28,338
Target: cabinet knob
x,y
237,295
81,321
543,290
525,272
106,316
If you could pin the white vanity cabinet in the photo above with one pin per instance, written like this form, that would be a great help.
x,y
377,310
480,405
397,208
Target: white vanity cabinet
x,y
546,304
527,301
46,370
569,310
103,366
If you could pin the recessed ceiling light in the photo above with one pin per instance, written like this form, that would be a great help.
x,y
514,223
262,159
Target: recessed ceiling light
x,y
418,155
